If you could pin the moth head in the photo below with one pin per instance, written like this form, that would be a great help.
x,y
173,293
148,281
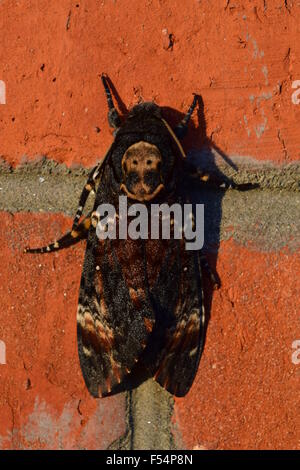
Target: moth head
x,y
141,168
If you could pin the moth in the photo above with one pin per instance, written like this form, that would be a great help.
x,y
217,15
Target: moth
x,y
141,305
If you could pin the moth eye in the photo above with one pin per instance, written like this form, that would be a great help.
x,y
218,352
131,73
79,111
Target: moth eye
x,y
149,162
135,162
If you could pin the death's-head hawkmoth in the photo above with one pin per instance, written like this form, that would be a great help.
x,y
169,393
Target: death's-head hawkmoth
x,y
141,308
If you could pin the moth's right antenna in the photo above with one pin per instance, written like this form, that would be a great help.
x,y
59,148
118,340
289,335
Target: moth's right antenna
x,y
182,128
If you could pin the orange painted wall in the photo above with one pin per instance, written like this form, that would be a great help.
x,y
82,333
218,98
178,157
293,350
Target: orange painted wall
x,y
243,57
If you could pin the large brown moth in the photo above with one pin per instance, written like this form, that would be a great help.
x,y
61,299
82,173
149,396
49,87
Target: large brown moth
x,y
141,307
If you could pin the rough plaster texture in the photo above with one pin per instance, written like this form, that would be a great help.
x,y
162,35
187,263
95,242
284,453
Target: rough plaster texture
x,y
241,55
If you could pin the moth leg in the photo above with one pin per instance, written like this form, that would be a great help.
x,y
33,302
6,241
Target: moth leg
x,y
113,115
69,239
87,190
227,183
221,182
213,276
182,128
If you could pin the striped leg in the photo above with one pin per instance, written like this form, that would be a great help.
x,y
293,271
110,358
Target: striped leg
x,y
182,128
113,115
89,187
219,181
87,190
213,276
69,239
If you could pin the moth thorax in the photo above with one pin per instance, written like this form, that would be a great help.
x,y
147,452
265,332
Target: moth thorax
x,y
141,166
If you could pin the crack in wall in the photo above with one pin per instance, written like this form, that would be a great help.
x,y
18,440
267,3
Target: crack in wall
x,y
152,424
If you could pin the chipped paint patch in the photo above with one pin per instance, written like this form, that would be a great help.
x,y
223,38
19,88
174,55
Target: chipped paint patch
x,y
81,424
261,97
46,427
247,128
265,72
260,128
257,53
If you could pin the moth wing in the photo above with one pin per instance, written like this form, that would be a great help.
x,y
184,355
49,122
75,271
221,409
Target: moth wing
x,y
185,339
113,325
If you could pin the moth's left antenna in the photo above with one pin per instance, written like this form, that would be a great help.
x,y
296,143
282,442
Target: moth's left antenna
x,y
113,115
